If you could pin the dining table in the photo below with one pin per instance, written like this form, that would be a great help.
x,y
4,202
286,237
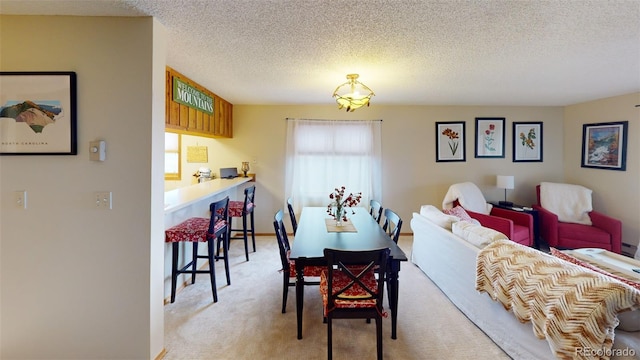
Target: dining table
x,y
317,230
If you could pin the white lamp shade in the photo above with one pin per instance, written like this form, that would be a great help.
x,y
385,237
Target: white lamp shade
x,y
504,182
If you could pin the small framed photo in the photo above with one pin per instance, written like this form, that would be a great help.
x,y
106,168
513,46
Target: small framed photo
x,y
604,145
527,142
489,138
450,140
38,113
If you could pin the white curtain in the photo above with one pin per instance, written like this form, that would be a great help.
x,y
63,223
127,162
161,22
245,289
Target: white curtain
x,y
325,154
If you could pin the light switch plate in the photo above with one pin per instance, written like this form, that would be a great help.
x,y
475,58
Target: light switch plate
x,y
20,199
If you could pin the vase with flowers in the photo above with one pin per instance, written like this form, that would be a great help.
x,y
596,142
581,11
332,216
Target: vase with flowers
x,y
337,208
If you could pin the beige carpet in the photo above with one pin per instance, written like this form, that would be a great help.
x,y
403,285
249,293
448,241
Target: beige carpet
x,y
246,322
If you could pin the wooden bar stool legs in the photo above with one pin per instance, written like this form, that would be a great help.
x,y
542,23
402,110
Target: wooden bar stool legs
x,y
244,209
224,241
192,229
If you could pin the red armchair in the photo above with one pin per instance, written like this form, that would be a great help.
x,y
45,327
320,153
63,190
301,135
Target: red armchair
x,y
517,226
604,233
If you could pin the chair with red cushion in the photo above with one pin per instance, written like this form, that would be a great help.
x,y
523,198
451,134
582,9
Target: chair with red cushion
x,y
350,289
517,226
197,230
244,209
289,266
604,232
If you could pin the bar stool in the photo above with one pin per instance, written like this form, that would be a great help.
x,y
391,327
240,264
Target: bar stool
x,y
243,209
197,230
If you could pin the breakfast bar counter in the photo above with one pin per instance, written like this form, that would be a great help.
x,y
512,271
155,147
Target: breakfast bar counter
x,y
180,198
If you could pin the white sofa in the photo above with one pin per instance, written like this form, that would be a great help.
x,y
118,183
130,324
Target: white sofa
x,y
450,262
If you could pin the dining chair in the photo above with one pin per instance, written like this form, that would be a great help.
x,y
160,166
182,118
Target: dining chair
x,y
289,266
375,210
350,289
244,209
392,224
292,215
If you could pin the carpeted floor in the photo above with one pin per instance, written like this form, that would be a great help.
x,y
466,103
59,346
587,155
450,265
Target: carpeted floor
x,y
246,322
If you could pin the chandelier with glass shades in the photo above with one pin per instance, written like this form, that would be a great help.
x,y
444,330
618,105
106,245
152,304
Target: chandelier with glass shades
x,y
353,94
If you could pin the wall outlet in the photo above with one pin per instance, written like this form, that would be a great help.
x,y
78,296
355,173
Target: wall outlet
x,y
102,200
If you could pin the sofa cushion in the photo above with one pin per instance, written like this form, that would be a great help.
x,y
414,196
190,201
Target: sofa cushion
x,y
462,215
585,233
438,217
477,235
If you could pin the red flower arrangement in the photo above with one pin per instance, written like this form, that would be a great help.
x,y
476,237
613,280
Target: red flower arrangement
x,y
338,203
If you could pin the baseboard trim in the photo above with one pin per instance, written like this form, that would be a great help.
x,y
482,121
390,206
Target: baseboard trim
x,y
161,355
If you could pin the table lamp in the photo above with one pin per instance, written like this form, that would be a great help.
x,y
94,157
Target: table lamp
x,y
504,182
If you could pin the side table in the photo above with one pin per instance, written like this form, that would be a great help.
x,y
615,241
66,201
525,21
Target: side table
x,y
526,210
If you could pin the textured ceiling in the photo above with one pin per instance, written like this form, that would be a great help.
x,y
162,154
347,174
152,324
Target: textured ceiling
x,y
449,52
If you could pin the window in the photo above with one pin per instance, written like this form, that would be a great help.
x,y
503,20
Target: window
x,y
172,156
325,154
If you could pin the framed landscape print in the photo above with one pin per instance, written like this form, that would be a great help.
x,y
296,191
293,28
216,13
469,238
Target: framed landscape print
x,y
450,140
604,145
527,142
38,113
489,138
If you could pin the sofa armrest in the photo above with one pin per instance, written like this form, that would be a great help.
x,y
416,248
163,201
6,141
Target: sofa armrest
x,y
548,225
611,226
501,224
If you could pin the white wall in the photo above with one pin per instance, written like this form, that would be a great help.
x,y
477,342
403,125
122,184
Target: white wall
x,y
411,177
156,227
77,282
616,193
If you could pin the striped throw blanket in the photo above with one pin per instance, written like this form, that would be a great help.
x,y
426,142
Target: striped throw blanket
x,y
573,308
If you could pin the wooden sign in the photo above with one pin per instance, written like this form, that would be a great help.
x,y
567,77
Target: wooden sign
x,y
188,95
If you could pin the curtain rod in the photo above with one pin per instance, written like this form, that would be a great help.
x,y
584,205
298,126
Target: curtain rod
x,y
331,119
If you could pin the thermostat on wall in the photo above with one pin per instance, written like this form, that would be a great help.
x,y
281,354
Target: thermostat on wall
x,y
97,150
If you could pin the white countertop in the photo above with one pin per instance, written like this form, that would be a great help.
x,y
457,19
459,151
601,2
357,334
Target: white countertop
x,y
179,198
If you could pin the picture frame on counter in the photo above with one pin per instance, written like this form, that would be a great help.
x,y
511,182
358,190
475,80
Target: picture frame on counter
x,y
38,113
450,141
527,142
604,145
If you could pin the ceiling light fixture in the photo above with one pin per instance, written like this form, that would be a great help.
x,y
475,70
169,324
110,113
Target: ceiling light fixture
x,y
352,94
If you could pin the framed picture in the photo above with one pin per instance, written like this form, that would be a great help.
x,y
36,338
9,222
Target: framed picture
x,y
38,113
527,142
604,145
489,138
450,140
